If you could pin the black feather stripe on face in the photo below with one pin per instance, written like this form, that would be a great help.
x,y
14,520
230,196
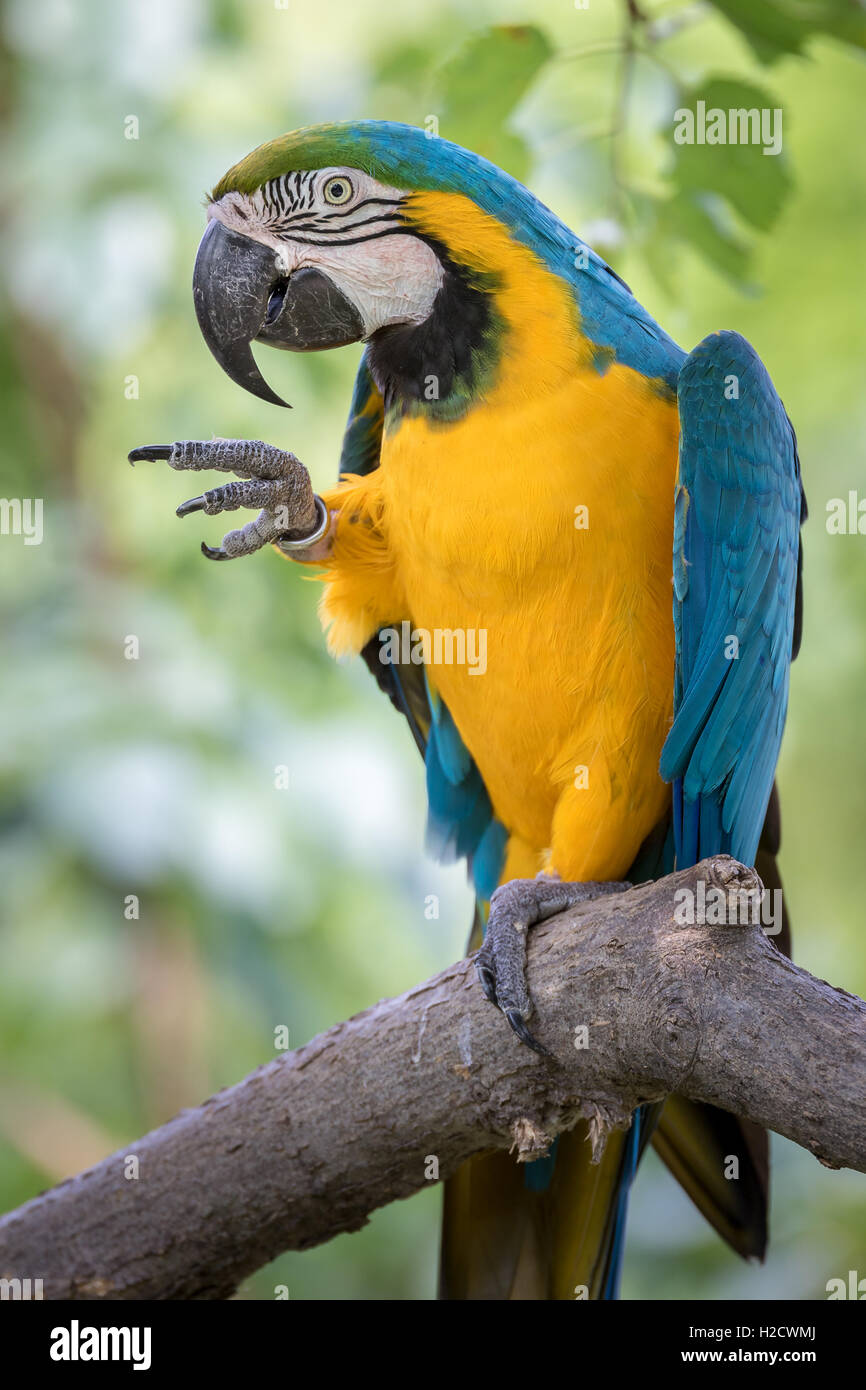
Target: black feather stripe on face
x,y
320,225
286,205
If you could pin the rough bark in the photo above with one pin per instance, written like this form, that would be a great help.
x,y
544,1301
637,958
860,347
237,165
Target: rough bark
x,y
310,1144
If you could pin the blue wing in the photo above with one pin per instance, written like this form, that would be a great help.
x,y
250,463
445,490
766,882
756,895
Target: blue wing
x,y
739,505
362,440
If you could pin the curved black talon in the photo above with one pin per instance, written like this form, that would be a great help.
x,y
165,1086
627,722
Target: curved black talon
x,y
523,1033
214,554
195,504
487,981
150,452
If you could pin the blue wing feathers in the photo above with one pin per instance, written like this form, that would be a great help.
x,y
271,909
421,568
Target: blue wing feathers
x,y
451,751
736,563
487,861
362,440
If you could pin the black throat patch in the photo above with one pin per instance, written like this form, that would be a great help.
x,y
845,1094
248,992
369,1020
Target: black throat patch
x,y
439,366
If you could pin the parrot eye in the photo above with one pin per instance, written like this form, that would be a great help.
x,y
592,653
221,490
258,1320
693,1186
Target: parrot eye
x,y
337,190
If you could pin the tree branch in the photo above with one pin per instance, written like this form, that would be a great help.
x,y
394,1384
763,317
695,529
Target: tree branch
x,y
310,1144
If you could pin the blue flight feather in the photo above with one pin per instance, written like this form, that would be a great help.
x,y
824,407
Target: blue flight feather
x,y
736,547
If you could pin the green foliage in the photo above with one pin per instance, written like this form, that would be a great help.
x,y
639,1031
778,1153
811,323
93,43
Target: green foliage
x,y
502,63
754,183
698,220
775,28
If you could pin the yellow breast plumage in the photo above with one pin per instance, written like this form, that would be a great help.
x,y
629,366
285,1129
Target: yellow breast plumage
x,y
543,517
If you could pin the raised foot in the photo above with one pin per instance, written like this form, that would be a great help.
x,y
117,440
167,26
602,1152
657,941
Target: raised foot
x,y
268,478
501,962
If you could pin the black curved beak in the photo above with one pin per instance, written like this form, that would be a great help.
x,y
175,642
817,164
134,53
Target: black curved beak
x,y
241,297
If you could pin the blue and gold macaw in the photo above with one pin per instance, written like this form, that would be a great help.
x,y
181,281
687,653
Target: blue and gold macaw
x,y
528,457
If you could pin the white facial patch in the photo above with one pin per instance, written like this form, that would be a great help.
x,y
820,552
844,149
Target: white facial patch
x,y
348,225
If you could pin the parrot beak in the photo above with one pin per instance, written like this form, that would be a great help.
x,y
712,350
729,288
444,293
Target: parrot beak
x,y
241,296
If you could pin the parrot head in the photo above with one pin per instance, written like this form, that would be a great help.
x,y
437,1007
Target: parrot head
x,y
357,231
306,259
449,269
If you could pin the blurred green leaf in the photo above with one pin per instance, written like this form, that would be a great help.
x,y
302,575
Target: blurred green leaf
x,y
776,27
479,88
754,183
404,64
227,21
698,220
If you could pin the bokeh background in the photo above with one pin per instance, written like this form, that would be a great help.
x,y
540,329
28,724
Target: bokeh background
x,y
156,777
